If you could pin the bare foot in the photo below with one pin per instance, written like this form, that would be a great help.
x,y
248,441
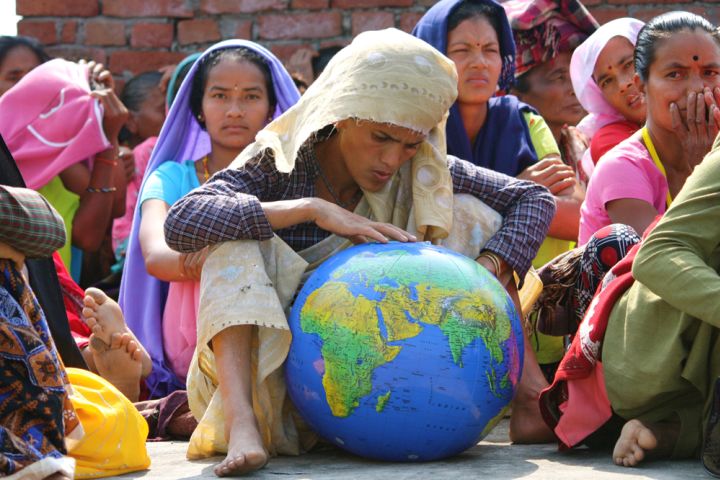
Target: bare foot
x,y
121,366
245,450
105,319
639,441
634,442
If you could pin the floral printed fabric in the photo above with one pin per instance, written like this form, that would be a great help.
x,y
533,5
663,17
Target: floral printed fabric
x,y
35,409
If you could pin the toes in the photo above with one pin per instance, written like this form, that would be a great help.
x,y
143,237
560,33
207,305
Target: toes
x,y
232,466
89,317
124,340
638,455
131,347
136,355
90,302
226,467
116,340
96,294
97,329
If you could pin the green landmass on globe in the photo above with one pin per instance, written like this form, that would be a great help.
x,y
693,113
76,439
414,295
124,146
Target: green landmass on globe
x,y
358,332
382,401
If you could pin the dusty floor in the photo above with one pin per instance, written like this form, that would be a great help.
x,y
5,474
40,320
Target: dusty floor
x,y
492,459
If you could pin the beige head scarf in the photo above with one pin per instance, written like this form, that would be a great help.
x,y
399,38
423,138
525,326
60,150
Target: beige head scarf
x,y
388,77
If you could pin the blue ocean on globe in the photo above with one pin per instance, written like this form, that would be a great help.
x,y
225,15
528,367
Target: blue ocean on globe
x,y
403,351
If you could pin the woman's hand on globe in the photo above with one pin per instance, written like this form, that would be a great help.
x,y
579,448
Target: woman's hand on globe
x,y
357,229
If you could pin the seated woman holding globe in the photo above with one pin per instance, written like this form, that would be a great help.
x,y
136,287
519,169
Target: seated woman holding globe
x,y
361,157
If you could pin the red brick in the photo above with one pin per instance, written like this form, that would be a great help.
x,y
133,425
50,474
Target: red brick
x,y
44,30
371,3
137,62
303,25
712,14
74,53
198,31
364,21
241,6
68,31
334,43
152,35
57,8
408,20
310,4
285,51
105,33
231,28
147,8
589,3
605,14
646,14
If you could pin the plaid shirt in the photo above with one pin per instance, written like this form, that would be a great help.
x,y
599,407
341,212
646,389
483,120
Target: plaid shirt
x,y
28,223
228,207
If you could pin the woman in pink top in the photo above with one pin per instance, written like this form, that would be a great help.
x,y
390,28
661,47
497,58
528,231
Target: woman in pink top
x,y
602,71
680,78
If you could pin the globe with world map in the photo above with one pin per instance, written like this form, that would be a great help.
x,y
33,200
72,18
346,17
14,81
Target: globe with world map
x,y
403,351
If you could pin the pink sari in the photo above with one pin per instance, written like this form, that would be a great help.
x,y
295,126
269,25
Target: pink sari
x,y
179,325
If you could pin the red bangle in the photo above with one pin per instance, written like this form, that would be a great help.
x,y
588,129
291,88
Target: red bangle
x,y
106,161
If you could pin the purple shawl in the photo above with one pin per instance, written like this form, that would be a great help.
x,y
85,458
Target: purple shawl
x,y
142,296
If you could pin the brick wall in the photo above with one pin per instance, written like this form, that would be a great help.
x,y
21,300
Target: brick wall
x,y
132,36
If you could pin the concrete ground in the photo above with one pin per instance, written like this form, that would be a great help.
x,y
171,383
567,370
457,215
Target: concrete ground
x,y
494,458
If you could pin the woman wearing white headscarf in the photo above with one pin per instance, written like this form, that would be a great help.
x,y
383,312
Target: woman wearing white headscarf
x,y
602,70
360,157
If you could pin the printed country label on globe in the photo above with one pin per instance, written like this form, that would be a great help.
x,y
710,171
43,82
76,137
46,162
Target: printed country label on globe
x,y
403,351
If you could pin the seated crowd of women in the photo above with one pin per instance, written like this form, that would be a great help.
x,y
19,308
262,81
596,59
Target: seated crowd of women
x,y
561,141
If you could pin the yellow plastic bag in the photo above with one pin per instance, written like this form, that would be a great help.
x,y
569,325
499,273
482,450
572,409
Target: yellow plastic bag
x,y
114,431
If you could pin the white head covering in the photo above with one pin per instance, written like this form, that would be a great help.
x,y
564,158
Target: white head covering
x,y
390,77
582,64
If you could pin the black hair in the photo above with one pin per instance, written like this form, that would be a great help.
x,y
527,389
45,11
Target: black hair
x,y
238,54
661,28
137,89
469,9
134,94
323,58
522,84
8,43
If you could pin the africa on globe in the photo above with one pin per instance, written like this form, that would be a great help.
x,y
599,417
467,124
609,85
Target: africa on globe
x,y
403,351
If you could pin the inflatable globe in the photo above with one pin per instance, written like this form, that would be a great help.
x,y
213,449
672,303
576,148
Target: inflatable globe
x,y
403,351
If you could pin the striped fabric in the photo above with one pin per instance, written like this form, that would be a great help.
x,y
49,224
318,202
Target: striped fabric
x,y
29,223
